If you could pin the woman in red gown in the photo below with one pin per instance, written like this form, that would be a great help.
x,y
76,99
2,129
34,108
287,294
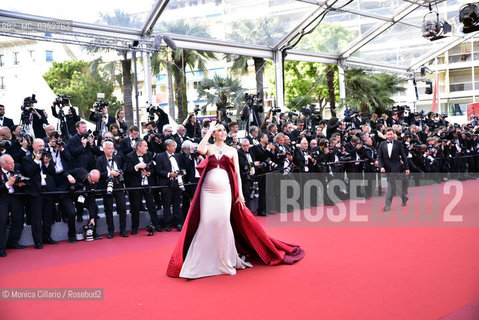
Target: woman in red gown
x,y
219,226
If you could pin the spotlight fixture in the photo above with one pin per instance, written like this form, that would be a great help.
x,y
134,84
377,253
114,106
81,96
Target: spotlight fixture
x,y
432,27
425,70
469,16
169,42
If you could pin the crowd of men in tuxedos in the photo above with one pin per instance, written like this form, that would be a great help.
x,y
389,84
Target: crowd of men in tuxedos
x,y
45,179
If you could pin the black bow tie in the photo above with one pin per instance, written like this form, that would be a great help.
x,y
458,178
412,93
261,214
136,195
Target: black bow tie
x,y
390,142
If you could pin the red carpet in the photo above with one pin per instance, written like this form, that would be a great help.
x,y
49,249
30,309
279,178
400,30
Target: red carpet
x,y
348,273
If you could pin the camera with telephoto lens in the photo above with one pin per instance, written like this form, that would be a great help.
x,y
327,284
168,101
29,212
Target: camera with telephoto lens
x,y
150,166
19,178
178,181
268,163
87,135
5,143
111,181
61,100
26,108
154,133
46,153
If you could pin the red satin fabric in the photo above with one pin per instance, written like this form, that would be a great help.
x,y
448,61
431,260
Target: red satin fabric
x,y
250,237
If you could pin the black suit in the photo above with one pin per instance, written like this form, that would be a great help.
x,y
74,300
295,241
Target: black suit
x,y
98,119
188,162
81,177
179,141
61,183
40,205
135,179
81,157
261,154
255,110
246,175
103,165
392,165
7,122
9,203
170,195
38,123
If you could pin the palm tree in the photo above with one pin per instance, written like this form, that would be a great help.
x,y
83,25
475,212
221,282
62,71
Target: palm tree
x,y
371,93
120,18
266,31
194,59
159,61
330,38
221,92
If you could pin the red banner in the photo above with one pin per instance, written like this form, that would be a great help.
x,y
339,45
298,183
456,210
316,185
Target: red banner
x,y
472,113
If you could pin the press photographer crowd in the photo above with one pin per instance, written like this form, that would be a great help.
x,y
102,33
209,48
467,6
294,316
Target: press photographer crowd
x,y
51,175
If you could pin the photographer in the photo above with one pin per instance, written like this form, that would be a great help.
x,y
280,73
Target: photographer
x,y
297,134
4,121
81,146
302,158
40,169
10,205
139,169
179,137
120,122
33,119
116,136
253,136
163,118
263,153
61,159
170,175
192,126
189,159
83,183
272,130
128,144
253,107
247,166
21,146
111,169
68,120
232,138
5,141
99,115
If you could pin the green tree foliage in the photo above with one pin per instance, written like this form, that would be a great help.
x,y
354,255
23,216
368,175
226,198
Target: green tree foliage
x,y
123,19
371,92
306,83
74,78
265,31
194,59
221,92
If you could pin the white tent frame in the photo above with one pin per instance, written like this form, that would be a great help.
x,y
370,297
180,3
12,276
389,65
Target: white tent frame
x,y
121,38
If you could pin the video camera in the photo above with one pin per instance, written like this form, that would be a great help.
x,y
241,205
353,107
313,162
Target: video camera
x,y
100,103
26,108
61,100
152,110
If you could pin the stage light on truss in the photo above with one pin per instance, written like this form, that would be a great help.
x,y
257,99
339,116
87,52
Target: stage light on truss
x,y
469,16
432,27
